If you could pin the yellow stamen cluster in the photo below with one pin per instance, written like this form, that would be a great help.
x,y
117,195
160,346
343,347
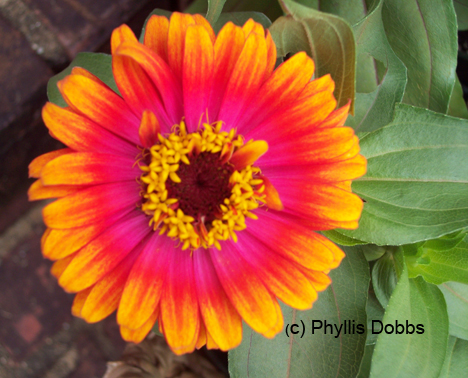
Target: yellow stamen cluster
x,y
165,160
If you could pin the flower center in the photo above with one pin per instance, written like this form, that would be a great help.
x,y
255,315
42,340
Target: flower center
x,y
204,186
200,187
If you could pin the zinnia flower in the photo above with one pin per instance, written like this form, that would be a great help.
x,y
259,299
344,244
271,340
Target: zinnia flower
x,y
192,197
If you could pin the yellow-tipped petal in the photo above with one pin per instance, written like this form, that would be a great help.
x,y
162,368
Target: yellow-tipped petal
x,y
248,154
272,198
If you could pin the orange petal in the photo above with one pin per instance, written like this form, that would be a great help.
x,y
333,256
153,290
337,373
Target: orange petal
x,y
345,170
35,167
282,87
280,275
197,74
137,335
245,80
272,198
255,304
200,20
319,280
104,297
179,306
45,236
201,336
79,301
295,119
84,168
322,146
81,71
91,205
61,243
59,266
162,77
324,83
101,105
82,134
102,254
219,315
248,154
149,129
136,87
144,285
210,343
326,202
337,118
121,34
178,25
288,238
37,191
156,34
227,49
251,26
271,59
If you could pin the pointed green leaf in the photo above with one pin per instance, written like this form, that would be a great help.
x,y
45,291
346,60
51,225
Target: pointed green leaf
x,y
318,354
97,63
341,239
374,311
457,105
385,274
437,264
326,38
456,296
423,34
215,8
381,76
461,8
365,367
406,354
352,11
373,252
415,186
270,8
456,359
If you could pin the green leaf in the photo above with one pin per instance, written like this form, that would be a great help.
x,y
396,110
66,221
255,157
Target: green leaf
x,y
214,10
97,63
414,302
415,186
461,8
437,264
240,18
326,38
341,239
373,252
456,361
380,75
374,311
351,10
423,34
456,296
318,354
365,367
270,8
385,274
457,105
446,242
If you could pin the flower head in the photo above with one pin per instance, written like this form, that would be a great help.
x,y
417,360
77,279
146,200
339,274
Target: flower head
x,y
192,197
